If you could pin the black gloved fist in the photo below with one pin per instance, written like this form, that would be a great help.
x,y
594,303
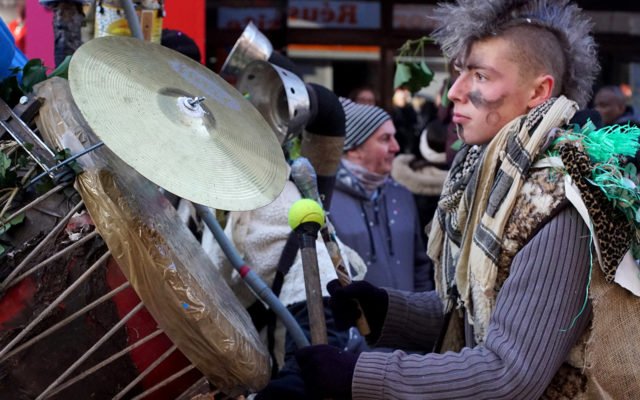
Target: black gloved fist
x,y
327,115
327,371
373,301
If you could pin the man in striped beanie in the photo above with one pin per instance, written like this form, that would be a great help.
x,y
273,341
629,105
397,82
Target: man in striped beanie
x,y
362,120
373,214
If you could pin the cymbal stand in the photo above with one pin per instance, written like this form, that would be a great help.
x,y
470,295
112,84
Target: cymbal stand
x,y
13,122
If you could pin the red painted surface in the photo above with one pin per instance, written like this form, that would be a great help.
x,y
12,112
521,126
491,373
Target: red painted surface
x,y
189,17
14,302
244,271
141,325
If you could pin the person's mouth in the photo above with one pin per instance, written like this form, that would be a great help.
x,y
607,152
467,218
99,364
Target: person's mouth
x,y
459,118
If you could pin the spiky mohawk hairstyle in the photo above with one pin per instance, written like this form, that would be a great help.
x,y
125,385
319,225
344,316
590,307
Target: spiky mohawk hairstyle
x,y
463,23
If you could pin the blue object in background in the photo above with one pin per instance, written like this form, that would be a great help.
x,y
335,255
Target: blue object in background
x,y
10,56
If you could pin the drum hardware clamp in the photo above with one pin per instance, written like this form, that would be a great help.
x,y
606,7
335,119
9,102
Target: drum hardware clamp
x,y
13,122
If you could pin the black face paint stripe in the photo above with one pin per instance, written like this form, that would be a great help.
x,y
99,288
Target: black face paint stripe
x,y
479,101
460,132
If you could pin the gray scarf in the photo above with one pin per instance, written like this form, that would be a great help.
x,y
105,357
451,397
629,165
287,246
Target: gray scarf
x,y
365,180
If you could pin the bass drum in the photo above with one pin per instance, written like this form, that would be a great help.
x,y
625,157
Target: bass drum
x,y
119,301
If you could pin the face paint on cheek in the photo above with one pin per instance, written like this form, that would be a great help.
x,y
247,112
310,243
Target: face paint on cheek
x,y
479,101
492,118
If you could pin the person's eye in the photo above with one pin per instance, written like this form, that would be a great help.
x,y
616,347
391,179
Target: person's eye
x,y
479,77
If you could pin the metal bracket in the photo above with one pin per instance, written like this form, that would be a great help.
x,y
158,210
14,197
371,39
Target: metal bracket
x,y
13,122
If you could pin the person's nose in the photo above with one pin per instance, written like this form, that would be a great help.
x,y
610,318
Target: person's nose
x,y
458,91
394,147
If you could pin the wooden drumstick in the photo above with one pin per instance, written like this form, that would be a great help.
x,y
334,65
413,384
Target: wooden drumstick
x,y
304,177
305,218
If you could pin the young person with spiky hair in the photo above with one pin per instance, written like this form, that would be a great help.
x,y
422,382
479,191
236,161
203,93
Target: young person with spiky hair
x,y
513,255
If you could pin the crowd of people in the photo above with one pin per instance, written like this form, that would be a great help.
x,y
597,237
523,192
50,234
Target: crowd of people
x,y
500,304
471,224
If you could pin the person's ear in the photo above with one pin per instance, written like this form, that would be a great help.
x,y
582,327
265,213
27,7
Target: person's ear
x,y
352,155
542,90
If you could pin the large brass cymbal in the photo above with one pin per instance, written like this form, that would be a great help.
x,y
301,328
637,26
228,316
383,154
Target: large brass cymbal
x,y
138,97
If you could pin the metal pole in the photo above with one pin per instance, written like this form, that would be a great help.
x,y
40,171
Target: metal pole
x,y
252,279
132,19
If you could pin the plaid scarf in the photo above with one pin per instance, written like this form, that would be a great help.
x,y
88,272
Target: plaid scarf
x,y
475,206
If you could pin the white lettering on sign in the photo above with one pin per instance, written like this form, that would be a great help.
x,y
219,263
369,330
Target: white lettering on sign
x,y
333,14
265,18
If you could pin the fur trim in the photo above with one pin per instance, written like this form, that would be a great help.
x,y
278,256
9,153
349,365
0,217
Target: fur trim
x,y
430,154
426,181
461,24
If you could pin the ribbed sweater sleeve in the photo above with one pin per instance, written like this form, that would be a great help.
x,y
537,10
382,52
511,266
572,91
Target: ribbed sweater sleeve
x,y
413,321
529,335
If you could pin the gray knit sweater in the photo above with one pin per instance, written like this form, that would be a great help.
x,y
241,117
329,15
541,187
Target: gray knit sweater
x,y
529,336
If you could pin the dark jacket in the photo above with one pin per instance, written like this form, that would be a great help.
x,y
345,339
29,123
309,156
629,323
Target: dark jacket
x,y
385,232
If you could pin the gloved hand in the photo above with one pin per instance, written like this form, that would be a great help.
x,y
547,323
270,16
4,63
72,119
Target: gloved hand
x,y
327,371
373,301
288,387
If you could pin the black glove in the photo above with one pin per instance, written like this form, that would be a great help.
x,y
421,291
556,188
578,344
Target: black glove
x,y
327,371
373,301
327,115
289,387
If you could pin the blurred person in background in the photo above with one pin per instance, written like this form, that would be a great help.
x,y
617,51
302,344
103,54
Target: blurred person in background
x,y
424,170
18,27
180,42
364,95
405,119
611,103
612,106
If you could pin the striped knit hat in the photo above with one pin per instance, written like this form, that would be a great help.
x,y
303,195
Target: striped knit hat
x,y
361,121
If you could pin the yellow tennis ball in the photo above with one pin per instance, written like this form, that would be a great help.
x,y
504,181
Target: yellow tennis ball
x,y
305,210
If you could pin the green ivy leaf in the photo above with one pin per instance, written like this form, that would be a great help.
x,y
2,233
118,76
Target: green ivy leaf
x,y
5,226
44,185
33,72
22,161
5,163
63,69
402,75
10,91
10,179
414,76
421,76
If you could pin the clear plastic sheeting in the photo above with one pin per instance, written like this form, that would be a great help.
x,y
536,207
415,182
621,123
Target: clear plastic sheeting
x,y
160,257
